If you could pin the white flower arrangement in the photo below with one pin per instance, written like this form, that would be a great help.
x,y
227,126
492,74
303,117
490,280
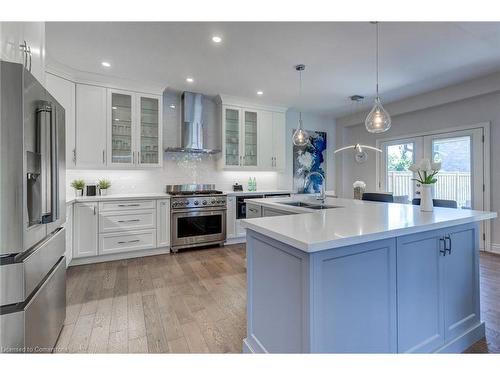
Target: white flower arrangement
x,y
426,171
359,184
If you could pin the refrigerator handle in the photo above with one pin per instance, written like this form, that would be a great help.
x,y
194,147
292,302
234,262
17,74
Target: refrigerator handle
x,y
54,164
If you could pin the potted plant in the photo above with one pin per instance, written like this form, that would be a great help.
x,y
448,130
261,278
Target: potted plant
x,y
426,177
78,185
103,185
359,188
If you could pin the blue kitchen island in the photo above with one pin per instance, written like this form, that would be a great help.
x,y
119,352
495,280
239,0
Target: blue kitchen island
x,y
361,277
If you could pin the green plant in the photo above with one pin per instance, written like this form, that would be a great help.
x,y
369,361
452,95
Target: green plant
x,y
78,184
426,171
104,184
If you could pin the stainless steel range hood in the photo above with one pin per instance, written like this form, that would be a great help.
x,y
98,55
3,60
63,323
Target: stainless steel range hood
x,y
196,126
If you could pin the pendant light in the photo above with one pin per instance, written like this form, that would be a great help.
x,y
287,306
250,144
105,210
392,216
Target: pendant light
x,y
300,136
378,120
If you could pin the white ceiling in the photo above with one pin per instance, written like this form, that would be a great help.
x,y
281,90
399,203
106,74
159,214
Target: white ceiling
x,y
339,57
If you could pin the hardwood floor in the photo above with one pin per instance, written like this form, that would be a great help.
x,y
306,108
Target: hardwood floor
x,y
490,304
190,302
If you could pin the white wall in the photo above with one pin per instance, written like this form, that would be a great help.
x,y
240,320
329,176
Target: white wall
x,y
311,121
474,110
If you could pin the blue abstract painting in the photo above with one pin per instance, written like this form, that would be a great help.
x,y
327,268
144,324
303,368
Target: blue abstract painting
x,y
308,159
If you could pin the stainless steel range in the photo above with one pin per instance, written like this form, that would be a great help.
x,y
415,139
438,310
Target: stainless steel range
x,y
198,216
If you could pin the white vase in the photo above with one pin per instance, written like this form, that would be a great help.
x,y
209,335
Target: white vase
x,y
103,191
426,203
79,192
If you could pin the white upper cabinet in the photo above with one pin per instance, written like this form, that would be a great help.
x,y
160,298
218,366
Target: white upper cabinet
x,y
90,126
134,129
24,43
121,112
149,130
253,137
272,141
64,92
266,154
279,141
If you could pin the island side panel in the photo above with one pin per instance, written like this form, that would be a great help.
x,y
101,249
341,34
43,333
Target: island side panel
x,y
277,297
354,299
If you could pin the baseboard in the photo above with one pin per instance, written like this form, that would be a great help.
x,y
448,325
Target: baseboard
x,y
494,248
119,256
232,241
461,343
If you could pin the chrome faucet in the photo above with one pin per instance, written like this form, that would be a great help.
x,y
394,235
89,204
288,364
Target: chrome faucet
x,y
322,195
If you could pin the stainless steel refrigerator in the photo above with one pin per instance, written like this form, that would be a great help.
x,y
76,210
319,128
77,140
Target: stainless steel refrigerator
x,y
32,213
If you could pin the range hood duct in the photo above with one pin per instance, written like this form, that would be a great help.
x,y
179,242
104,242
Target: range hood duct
x,y
192,126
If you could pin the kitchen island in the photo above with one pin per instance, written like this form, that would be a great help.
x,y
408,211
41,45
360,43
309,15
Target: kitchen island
x,y
361,277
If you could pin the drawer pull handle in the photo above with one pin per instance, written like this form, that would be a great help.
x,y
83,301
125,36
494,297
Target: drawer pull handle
x,y
129,205
132,241
252,210
128,221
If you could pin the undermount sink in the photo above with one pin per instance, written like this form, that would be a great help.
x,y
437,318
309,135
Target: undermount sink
x,y
322,206
312,206
297,204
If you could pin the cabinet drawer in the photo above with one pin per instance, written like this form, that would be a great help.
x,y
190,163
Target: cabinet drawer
x,y
126,205
253,211
128,220
110,243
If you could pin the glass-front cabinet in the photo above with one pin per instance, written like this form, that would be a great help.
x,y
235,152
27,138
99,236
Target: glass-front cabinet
x,y
134,129
250,144
149,131
232,136
121,128
240,137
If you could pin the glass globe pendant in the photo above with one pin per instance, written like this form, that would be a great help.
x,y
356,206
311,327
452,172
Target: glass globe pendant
x,y
378,120
300,137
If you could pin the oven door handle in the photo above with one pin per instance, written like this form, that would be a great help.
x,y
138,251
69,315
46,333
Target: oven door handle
x,y
200,210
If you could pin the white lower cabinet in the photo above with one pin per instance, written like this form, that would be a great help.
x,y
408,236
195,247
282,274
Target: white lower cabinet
x,y
85,243
110,243
163,223
231,217
69,234
128,220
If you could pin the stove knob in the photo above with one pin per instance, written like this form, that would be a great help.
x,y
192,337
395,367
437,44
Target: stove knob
x,y
196,203
213,201
204,202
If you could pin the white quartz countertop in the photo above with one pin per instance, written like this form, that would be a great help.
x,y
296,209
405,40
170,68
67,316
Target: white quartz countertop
x,y
258,192
352,223
114,197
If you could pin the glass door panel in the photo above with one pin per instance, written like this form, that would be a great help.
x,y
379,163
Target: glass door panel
x,y
396,158
232,137
454,178
250,145
149,131
121,128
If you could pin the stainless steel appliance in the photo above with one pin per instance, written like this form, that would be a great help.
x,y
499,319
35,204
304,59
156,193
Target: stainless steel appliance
x,y
200,124
198,216
32,213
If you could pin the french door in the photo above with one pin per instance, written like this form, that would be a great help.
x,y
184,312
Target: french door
x,y
461,177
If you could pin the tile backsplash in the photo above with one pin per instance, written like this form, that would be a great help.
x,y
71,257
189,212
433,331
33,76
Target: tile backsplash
x,y
177,169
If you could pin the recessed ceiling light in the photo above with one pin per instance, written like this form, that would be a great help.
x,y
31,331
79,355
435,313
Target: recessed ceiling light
x,y
260,92
189,79
216,39
113,107
172,106
117,119
106,64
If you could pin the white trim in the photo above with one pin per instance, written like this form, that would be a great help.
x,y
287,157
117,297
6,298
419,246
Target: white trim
x,y
486,126
119,256
234,101
494,248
